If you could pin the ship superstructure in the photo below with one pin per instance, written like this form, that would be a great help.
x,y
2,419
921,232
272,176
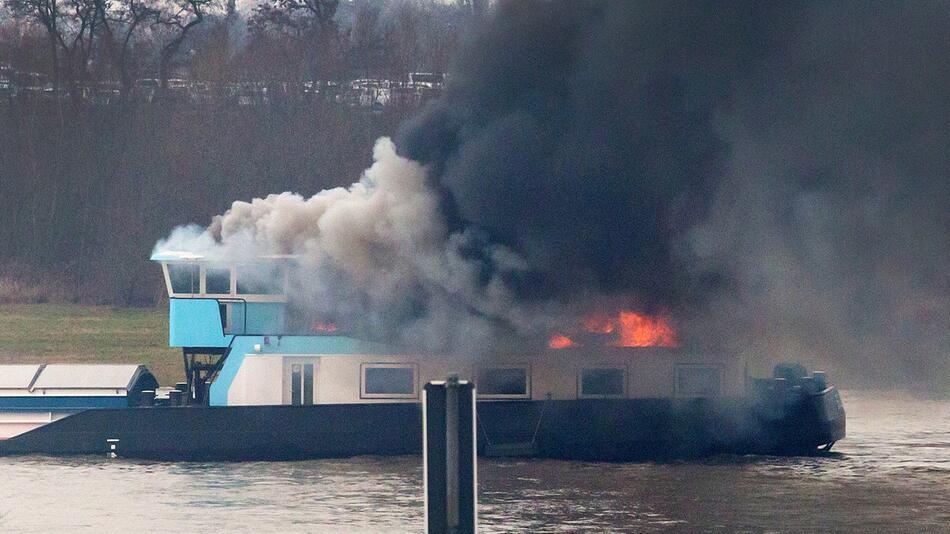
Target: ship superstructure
x,y
236,347
261,384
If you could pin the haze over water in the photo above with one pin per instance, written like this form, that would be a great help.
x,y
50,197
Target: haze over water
x,y
892,474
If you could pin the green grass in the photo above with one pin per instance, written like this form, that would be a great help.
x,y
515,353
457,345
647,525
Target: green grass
x,y
70,333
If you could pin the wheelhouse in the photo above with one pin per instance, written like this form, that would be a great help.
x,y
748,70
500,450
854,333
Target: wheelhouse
x,y
245,297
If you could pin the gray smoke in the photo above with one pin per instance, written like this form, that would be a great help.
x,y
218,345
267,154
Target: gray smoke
x,y
833,215
773,176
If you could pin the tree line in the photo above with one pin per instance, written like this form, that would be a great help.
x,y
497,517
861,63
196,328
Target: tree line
x,y
85,191
77,43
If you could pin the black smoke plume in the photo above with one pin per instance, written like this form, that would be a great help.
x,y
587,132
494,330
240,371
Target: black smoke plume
x,y
778,174
584,135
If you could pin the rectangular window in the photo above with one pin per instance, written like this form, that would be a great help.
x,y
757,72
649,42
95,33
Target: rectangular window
x,y
259,279
388,380
698,380
217,281
602,382
507,382
225,310
184,278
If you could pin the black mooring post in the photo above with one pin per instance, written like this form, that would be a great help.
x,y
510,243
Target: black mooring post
x,y
448,425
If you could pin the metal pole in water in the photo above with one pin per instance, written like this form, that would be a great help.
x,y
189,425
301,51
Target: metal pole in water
x,y
449,470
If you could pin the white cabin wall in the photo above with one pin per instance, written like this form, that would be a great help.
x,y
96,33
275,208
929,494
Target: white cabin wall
x,y
259,382
651,376
264,379
650,373
546,380
338,379
647,374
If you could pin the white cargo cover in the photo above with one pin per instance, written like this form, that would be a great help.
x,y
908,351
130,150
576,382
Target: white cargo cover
x,y
67,379
18,376
79,376
35,395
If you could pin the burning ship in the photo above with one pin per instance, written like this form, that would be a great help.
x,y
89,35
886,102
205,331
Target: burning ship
x,y
253,392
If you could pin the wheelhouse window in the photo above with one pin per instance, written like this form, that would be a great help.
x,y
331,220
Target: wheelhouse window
x,y
184,278
259,279
698,380
503,382
267,280
602,382
388,381
217,280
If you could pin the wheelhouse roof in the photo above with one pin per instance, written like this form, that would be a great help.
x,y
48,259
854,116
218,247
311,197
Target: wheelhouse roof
x,y
176,255
185,255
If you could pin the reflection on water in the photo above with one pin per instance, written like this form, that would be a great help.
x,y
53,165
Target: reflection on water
x,y
892,473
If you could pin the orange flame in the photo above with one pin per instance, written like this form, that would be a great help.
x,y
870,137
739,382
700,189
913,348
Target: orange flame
x,y
560,341
599,324
327,328
638,330
629,329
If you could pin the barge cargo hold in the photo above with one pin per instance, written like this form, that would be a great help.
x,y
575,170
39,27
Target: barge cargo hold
x,y
252,394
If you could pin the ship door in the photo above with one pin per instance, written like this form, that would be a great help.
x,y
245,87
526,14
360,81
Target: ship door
x,y
301,383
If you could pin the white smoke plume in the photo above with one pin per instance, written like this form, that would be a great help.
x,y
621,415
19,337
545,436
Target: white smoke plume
x,y
375,258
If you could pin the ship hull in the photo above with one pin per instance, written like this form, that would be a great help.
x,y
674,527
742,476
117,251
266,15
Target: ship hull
x,y
602,429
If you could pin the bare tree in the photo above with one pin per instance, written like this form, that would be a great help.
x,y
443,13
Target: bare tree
x,y
179,19
405,34
301,16
367,42
310,24
214,50
71,29
120,22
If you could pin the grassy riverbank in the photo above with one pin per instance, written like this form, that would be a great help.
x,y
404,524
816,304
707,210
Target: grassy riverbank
x,y
69,333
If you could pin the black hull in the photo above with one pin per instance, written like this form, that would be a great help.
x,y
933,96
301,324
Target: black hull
x,y
579,429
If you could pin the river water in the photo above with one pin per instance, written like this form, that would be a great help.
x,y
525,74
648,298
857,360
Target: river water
x,y
891,474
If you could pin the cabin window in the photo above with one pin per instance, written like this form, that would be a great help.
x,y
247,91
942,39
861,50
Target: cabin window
x,y
388,380
503,382
232,315
217,281
183,277
602,382
698,380
225,310
258,280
